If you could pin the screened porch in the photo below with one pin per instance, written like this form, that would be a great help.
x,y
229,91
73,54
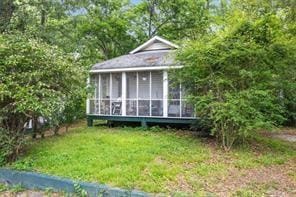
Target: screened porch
x,y
137,94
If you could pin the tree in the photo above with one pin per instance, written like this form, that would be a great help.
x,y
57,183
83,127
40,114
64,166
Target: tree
x,y
175,20
238,79
104,30
36,79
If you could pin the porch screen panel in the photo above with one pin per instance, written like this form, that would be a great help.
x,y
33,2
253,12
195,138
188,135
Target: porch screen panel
x,y
96,101
93,84
157,93
174,102
187,109
105,94
116,86
131,93
144,93
93,101
116,102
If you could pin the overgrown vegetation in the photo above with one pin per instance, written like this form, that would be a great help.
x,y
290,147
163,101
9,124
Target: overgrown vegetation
x,y
242,78
154,160
240,69
36,80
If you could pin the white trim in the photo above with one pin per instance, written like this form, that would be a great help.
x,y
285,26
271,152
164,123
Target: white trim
x,y
135,69
99,93
128,116
137,94
88,100
110,94
123,94
150,91
141,47
165,94
180,86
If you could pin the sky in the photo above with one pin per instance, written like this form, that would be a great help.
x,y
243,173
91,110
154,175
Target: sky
x,y
135,1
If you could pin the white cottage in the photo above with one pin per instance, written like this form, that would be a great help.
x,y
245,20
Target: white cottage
x,y
136,87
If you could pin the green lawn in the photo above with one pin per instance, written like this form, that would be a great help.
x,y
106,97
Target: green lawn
x,y
155,160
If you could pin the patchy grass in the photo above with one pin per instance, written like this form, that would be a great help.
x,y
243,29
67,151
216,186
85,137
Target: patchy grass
x,y
18,190
13,189
154,160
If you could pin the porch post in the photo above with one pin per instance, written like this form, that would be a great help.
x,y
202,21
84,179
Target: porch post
x,y
123,92
165,93
88,100
90,121
110,94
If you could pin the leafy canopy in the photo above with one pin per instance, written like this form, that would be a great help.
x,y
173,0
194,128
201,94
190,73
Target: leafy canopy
x,y
238,78
36,79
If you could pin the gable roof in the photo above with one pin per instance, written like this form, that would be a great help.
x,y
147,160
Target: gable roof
x,y
145,59
155,43
156,53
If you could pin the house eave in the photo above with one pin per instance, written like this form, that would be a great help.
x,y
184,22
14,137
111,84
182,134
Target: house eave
x,y
144,68
139,48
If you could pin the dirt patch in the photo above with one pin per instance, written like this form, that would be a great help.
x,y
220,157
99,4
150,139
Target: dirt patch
x,y
286,134
277,175
29,193
62,130
180,185
286,137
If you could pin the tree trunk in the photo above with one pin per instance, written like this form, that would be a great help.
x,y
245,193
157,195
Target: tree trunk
x,y
56,129
151,8
34,126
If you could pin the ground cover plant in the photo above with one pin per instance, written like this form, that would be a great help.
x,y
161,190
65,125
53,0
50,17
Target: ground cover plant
x,y
163,161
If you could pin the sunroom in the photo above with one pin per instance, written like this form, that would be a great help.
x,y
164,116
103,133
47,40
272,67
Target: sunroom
x,y
137,87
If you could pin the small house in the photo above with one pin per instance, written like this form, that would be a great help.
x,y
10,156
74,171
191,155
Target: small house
x,y
136,87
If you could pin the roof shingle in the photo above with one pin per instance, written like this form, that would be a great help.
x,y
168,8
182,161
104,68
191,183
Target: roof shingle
x,y
142,59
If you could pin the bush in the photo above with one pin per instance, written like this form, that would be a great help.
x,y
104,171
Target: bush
x,y
36,79
241,79
11,144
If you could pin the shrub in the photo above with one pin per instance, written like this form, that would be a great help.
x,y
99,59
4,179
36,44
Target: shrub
x,y
11,144
242,78
36,79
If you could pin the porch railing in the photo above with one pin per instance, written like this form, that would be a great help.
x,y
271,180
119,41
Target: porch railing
x,y
141,107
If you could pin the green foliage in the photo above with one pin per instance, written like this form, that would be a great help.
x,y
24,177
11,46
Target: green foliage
x,y
36,80
174,20
240,77
11,188
79,191
105,29
150,161
11,143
